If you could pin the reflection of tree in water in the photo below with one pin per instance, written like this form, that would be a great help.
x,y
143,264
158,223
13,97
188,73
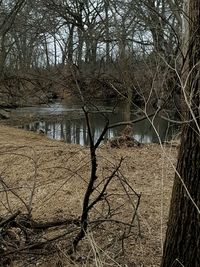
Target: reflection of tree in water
x,y
75,130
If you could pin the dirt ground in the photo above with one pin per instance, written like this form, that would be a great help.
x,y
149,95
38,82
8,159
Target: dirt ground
x,y
50,177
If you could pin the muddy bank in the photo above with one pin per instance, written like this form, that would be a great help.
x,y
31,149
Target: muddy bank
x,y
59,173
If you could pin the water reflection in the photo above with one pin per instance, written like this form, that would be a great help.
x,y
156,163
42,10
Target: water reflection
x,y
73,129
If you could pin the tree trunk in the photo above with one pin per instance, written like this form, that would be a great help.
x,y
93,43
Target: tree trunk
x,y
70,44
46,52
182,244
107,31
80,47
55,51
3,55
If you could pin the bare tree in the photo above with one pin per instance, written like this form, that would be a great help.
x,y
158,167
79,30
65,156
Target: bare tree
x,y
8,16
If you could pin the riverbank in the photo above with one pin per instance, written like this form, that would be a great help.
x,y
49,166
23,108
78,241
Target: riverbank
x,y
51,177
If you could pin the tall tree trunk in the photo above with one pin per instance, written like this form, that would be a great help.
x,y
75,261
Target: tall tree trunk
x,y
80,47
107,32
55,51
93,55
182,244
70,44
46,51
3,55
87,49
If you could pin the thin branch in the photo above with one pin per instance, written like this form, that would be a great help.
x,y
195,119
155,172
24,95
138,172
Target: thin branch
x,y
132,121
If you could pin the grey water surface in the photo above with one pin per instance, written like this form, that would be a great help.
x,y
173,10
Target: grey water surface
x,y
66,121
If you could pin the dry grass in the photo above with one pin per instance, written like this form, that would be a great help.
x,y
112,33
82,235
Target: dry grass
x,y
50,177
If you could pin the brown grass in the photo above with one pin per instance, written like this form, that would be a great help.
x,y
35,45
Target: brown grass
x,y
59,172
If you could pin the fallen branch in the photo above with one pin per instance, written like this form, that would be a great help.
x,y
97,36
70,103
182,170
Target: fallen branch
x,y
37,245
46,225
9,219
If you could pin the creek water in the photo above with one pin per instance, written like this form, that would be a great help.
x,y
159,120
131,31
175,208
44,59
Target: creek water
x,y
66,121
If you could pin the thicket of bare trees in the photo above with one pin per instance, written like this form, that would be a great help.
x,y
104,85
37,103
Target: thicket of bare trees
x,y
118,39
129,41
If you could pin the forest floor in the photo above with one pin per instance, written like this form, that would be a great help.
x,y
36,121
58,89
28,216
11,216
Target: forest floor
x,y
50,177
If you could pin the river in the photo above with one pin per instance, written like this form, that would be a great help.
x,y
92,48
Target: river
x,y
66,121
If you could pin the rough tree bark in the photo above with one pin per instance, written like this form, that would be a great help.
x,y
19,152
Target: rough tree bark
x,y
182,244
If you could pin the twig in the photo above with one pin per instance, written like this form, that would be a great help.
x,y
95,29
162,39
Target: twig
x,y
133,121
100,196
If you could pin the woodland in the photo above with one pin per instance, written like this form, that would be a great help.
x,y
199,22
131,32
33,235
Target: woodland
x,y
114,203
